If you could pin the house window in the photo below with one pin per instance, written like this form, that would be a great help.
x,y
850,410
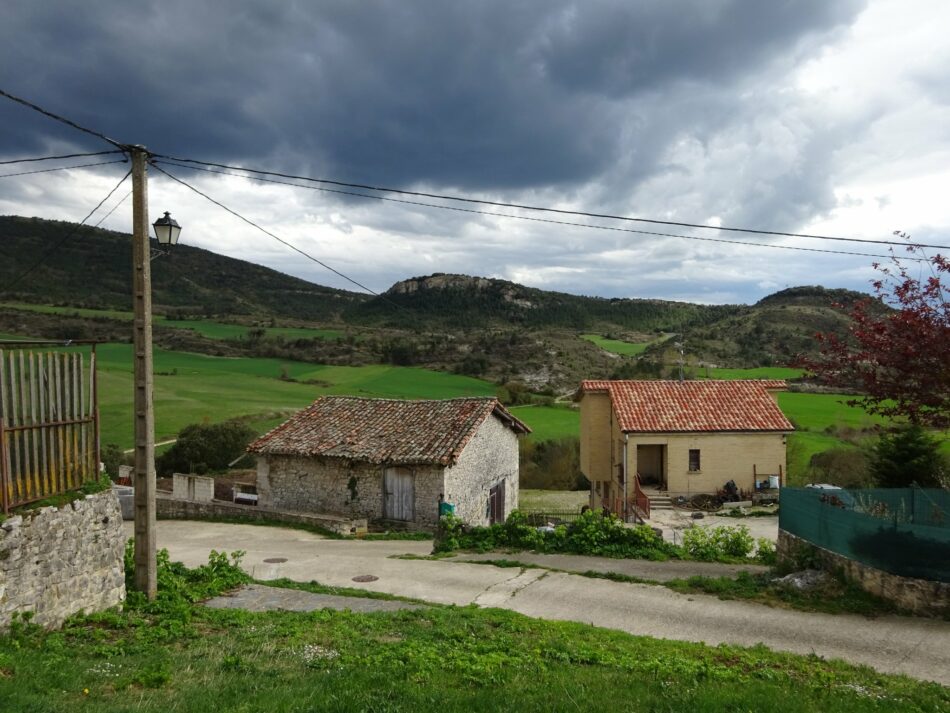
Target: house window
x,y
693,460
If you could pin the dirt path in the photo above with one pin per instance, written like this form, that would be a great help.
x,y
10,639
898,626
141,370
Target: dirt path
x,y
917,647
161,443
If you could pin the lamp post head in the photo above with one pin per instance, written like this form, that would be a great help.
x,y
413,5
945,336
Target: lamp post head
x,y
167,230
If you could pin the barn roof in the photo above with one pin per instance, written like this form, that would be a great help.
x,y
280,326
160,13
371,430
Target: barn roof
x,y
381,431
694,406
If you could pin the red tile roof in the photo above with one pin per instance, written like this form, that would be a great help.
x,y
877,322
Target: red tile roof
x,y
694,406
384,430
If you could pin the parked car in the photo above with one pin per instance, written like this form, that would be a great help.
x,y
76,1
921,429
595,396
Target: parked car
x,y
834,494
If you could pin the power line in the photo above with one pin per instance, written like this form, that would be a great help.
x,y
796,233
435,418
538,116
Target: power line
x,y
275,237
54,158
103,218
62,168
519,206
62,119
68,235
529,218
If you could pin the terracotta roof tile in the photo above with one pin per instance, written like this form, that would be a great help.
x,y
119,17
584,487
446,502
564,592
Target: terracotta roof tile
x,y
694,406
384,430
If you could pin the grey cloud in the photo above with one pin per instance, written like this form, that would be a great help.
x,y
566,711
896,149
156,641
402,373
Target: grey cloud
x,y
487,96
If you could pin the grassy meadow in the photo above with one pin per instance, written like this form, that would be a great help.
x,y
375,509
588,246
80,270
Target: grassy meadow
x,y
549,422
191,388
617,346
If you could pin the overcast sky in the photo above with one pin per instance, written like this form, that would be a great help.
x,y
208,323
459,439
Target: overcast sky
x,y
793,115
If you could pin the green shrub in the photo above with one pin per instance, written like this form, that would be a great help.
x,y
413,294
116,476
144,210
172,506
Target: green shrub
x,y
908,456
718,543
179,586
592,534
765,552
203,447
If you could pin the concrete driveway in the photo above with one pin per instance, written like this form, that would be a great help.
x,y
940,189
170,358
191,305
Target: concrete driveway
x,y
917,647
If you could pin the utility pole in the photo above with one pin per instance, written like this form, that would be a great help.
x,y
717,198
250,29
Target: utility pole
x,y
146,576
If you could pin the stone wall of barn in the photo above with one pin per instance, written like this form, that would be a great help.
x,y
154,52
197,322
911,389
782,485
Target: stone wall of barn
x,y
491,457
338,486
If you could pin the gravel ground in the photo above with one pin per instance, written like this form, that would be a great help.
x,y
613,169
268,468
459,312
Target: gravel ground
x,y
673,522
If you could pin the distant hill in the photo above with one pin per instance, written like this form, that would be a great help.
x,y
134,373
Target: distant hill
x,y
775,329
475,325
94,269
459,301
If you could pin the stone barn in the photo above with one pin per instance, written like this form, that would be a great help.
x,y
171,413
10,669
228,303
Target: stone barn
x,y
386,459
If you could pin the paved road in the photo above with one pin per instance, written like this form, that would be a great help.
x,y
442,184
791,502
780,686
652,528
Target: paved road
x,y
916,647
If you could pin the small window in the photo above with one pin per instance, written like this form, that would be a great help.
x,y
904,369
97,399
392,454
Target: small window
x,y
693,460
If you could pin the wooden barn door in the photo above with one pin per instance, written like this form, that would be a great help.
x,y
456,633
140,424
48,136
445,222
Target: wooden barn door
x,y
399,494
496,504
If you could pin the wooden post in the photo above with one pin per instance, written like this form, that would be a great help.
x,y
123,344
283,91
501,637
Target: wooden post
x,y
146,580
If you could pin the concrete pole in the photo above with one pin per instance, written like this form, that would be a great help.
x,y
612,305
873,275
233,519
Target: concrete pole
x,y
146,578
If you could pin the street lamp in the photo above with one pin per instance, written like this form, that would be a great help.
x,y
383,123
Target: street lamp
x,y
167,230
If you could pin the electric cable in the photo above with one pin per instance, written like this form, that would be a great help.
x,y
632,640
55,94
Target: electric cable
x,y
61,168
103,218
275,237
520,206
54,158
62,119
533,219
7,287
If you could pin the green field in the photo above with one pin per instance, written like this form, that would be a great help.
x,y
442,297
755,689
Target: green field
x,y
192,388
549,422
762,372
206,328
617,346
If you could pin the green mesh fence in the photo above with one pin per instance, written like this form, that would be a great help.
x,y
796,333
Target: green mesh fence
x,y
904,531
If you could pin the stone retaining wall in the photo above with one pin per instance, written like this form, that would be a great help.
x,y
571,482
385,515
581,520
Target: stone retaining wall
x,y
55,562
170,508
919,596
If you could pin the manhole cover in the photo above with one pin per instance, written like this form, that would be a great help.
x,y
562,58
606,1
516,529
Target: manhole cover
x,y
275,560
365,578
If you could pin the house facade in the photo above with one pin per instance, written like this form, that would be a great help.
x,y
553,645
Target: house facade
x,y
386,459
683,438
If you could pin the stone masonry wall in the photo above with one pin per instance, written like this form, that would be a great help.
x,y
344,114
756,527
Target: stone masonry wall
x,y
171,508
920,596
489,458
336,486
55,562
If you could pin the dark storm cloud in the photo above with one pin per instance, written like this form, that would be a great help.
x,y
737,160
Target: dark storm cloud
x,y
478,96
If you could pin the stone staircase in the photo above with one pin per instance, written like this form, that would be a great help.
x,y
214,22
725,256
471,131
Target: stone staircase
x,y
659,501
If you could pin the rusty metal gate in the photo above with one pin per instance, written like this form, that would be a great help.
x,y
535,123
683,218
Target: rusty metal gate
x,y
49,424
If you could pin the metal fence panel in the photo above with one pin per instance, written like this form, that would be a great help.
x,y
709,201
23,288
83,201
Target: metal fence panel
x,y
49,425
904,531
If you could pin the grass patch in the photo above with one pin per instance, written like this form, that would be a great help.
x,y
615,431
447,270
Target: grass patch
x,y
549,423
617,346
761,372
553,500
816,412
836,597
195,388
181,656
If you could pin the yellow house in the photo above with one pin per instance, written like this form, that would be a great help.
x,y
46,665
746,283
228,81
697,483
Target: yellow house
x,y
681,437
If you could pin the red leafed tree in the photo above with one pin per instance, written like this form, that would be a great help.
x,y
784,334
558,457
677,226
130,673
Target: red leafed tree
x,y
898,359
